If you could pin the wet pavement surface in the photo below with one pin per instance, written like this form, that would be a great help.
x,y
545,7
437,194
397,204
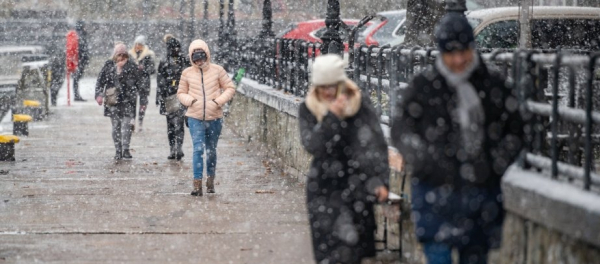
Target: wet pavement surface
x,y
66,200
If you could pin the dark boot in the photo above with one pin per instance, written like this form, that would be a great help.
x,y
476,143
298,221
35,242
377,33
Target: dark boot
x,y
126,154
172,154
178,152
78,98
197,188
119,155
210,184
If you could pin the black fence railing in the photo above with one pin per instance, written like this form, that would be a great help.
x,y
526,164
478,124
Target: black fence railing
x,y
555,91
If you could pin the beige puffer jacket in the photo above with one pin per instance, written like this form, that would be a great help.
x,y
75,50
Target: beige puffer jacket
x,y
206,83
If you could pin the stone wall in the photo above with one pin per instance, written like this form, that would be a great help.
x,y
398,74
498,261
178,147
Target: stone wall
x,y
547,222
267,118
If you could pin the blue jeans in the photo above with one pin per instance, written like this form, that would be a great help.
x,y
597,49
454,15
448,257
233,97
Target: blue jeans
x,y
205,135
441,253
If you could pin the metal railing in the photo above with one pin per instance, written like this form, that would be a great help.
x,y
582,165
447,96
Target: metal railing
x,y
280,63
554,89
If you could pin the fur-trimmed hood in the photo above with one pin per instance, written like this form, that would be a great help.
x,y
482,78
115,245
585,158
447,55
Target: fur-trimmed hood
x,y
146,52
319,108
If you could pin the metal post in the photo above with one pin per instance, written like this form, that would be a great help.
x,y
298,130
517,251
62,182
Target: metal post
x,y
587,182
181,22
267,22
554,140
205,20
192,18
221,40
332,42
144,16
265,34
525,27
230,35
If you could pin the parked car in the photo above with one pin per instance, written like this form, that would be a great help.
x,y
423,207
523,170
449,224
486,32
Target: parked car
x,y
313,30
389,27
551,27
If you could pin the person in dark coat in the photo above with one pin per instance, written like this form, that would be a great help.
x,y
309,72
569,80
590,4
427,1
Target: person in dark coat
x,y
84,58
56,75
167,79
121,72
349,171
458,128
144,58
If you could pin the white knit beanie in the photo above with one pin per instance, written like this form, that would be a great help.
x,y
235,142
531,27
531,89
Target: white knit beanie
x,y
328,69
140,40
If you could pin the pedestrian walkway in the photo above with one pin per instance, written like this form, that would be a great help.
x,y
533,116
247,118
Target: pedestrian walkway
x,y
66,200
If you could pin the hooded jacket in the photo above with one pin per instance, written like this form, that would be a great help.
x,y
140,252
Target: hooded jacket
x,y
350,161
145,59
467,188
169,74
205,84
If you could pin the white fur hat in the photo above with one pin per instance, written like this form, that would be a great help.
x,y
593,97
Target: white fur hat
x,y
328,69
140,40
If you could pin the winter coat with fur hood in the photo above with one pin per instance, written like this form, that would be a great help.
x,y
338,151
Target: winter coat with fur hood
x,y
205,84
145,61
350,161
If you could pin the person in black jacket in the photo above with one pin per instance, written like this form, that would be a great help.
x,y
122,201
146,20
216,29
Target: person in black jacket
x,y
144,58
167,79
121,72
84,59
349,171
56,75
458,127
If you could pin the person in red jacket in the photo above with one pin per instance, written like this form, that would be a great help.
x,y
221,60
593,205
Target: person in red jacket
x,y
83,58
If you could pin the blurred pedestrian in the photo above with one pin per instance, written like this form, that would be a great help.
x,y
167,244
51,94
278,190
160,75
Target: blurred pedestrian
x,y
458,128
57,60
349,171
204,88
167,79
84,58
117,87
144,58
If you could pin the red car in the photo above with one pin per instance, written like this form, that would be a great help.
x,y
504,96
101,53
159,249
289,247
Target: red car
x,y
313,30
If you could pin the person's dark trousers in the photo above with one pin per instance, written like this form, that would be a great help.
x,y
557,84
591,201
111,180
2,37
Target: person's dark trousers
x,y
142,111
53,95
121,133
441,253
76,77
175,133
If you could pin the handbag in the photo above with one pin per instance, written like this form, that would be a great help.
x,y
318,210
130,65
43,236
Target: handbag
x,y
172,104
110,96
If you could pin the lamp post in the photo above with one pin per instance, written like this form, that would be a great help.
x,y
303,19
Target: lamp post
x,y
265,33
192,19
230,35
221,35
332,42
267,21
205,20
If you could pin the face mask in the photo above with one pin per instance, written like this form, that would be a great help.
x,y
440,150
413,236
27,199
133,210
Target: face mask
x,y
199,56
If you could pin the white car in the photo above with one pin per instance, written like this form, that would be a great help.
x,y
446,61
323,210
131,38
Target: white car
x,y
551,27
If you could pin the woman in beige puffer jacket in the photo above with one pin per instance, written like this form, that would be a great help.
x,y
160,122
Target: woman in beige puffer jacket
x,y
204,88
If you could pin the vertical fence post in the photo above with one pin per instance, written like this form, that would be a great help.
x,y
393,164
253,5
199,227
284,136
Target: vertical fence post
x,y
554,139
394,81
588,122
574,129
